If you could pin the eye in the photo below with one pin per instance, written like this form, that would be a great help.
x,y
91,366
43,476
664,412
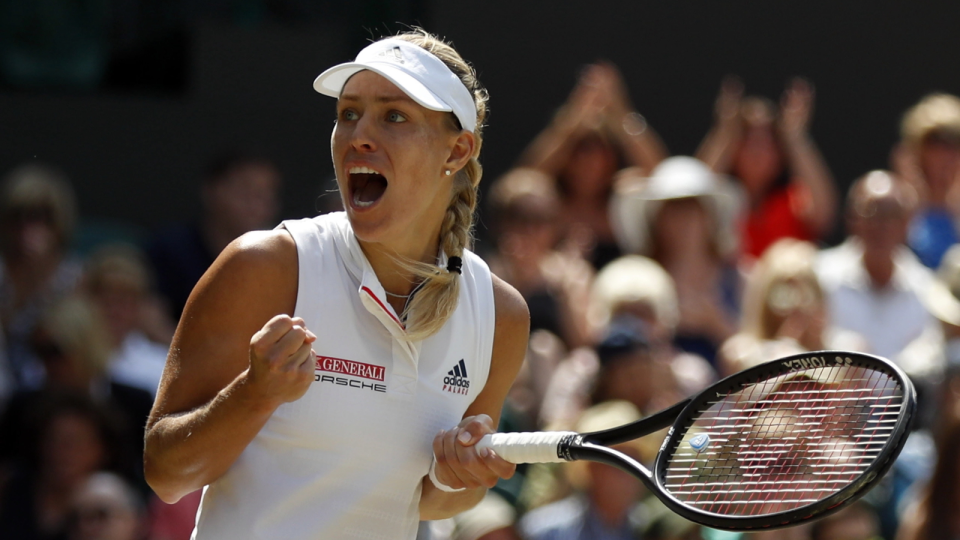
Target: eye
x,y
349,115
394,116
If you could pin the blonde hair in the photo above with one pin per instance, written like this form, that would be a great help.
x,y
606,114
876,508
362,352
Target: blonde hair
x,y
117,265
75,325
935,115
633,278
510,190
783,279
436,297
34,186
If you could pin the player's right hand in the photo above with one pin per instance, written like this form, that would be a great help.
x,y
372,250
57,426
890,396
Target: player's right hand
x,y
281,359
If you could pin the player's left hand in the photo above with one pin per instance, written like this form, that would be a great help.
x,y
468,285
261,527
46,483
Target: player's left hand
x,y
460,464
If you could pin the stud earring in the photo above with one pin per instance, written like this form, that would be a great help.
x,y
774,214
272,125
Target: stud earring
x,y
447,172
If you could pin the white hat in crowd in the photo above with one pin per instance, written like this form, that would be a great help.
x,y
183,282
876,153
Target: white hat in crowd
x,y
635,206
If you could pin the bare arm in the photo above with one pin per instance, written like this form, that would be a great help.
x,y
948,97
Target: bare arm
x,y
599,101
234,359
806,163
458,463
641,145
551,148
716,149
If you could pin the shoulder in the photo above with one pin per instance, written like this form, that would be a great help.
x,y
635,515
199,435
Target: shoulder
x,y
258,269
510,335
512,326
511,308
835,264
259,249
918,275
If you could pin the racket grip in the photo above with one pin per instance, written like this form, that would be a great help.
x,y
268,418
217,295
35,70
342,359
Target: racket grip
x,y
536,447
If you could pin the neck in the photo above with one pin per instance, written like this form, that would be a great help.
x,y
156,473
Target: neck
x,y
879,266
686,257
385,262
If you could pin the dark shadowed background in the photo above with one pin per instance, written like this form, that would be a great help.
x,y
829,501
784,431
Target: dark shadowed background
x,y
181,81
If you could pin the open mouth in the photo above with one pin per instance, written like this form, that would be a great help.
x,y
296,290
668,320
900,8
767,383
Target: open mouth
x,y
367,186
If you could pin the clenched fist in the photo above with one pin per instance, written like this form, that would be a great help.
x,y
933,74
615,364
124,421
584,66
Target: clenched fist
x,y
281,359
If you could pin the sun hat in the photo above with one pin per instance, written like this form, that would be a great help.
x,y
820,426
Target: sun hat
x,y
634,206
420,74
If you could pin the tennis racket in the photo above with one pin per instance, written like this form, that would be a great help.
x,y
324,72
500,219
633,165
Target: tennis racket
x,y
781,443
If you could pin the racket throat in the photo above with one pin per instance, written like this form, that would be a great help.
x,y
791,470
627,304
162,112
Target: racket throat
x,y
566,447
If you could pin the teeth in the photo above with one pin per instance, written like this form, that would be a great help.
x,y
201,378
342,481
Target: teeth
x,y
362,170
361,204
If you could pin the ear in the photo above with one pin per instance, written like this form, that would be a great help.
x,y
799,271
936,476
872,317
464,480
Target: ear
x,y
463,149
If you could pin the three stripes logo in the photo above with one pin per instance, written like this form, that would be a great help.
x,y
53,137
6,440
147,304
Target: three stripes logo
x,y
393,54
456,381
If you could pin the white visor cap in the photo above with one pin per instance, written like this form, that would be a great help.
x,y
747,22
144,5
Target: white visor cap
x,y
420,74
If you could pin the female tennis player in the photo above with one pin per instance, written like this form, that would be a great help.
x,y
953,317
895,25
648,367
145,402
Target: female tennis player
x,y
329,378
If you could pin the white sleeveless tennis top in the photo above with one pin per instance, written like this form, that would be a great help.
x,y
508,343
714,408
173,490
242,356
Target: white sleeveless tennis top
x,y
346,460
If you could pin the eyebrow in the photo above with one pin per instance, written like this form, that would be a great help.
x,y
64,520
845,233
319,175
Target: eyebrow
x,y
378,99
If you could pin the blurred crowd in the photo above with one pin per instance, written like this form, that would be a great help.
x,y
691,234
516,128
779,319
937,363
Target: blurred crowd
x,y
648,277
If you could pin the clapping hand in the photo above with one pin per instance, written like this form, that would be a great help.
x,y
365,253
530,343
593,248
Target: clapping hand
x,y
726,109
796,109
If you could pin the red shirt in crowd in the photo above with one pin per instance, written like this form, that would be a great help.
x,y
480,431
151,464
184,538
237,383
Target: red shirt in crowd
x,y
775,218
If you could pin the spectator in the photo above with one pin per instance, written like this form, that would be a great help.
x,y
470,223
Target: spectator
x,y
106,507
789,187
635,286
934,514
784,311
239,194
628,370
37,215
74,438
856,522
928,157
873,281
119,283
592,135
942,299
72,341
605,496
685,217
525,209
491,519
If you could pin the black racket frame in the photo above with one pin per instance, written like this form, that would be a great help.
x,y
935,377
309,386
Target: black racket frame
x,y
594,446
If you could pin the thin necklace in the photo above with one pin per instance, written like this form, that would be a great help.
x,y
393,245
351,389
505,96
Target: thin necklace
x,y
388,293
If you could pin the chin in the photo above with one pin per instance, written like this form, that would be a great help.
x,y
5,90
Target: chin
x,y
369,228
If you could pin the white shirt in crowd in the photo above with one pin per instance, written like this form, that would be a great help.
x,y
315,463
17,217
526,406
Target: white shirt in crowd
x,y
138,362
889,318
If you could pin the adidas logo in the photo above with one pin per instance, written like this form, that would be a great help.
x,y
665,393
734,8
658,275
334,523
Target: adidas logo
x,y
456,381
392,54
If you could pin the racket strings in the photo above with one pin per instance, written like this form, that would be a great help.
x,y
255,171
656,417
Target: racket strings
x,y
770,446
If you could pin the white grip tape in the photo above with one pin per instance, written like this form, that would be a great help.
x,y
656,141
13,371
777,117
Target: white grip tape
x,y
537,447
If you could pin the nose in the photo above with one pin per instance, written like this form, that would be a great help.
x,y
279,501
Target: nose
x,y
362,137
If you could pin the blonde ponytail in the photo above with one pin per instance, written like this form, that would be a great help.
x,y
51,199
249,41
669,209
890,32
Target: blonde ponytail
x,y
436,298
